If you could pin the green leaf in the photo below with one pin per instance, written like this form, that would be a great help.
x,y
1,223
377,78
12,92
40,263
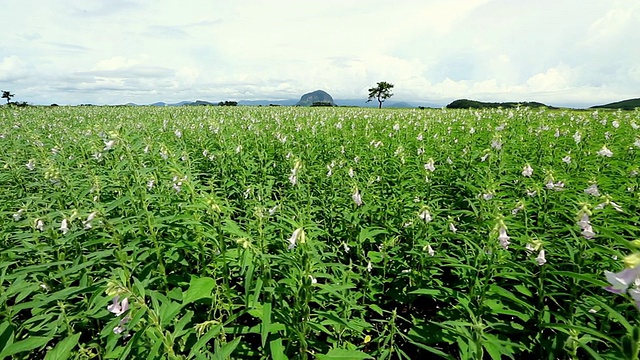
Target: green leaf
x,y
266,321
27,344
199,288
277,350
344,354
63,349
6,335
225,351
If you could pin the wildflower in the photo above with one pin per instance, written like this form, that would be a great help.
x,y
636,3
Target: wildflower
x,y
369,266
615,124
164,154
357,198
313,280
503,238
540,259
120,328
146,149
566,159
429,250
272,211
484,157
453,228
527,171
297,236
425,215
605,152
108,145
238,149
64,226
585,226
39,225
150,184
592,190
178,133
487,196
87,223
346,247
532,193
430,165
18,215
518,208
31,164
351,173
118,307
577,137
496,144
621,281
419,137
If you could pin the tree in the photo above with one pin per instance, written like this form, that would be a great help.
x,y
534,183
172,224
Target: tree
x,y
381,92
7,95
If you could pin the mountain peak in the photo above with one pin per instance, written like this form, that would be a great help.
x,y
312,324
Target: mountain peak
x,y
315,96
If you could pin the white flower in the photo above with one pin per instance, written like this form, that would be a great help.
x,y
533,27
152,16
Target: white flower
x,y
592,190
605,152
577,137
527,171
351,173
503,238
39,225
150,184
313,280
532,193
541,260
31,164
567,159
615,124
298,234
425,215
118,307
517,209
120,328
272,211
430,165
487,196
64,226
357,198
87,223
484,157
178,133
430,250
496,144
419,137
369,266
238,149
637,143
346,247
453,228
146,149
108,145
18,215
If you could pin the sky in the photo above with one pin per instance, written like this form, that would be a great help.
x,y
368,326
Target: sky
x,y
561,52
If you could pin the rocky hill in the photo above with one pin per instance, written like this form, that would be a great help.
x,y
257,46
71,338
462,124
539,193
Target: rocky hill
x,y
317,96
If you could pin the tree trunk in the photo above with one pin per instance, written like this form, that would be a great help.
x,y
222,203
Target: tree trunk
x,y
380,102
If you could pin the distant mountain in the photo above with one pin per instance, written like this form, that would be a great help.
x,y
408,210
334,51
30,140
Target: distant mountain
x,y
315,96
630,104
473,104
399,105
288,102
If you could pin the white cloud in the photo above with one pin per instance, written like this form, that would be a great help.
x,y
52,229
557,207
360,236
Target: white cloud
x,y
433,51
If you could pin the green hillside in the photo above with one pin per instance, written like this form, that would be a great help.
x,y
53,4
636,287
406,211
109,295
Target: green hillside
x,y
473,104
630,104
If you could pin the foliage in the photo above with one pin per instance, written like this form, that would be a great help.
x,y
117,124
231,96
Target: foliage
x,y
321,103
228,103
381,92
473,104
7,95
282,232
630,104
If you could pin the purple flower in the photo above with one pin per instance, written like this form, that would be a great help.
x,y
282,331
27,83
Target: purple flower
x,y
118,308
621,281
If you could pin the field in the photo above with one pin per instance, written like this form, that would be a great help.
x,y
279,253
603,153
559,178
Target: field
x,y
329,233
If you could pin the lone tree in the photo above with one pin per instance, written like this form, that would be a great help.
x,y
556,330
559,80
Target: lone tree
x,y
381,92
7,95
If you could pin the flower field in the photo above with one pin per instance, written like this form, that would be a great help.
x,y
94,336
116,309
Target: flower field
x,y
328,233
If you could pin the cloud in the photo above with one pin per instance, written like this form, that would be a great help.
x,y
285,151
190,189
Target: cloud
x,y
433,51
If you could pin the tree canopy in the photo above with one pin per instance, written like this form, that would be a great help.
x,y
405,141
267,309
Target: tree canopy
x,y
381,92
7,95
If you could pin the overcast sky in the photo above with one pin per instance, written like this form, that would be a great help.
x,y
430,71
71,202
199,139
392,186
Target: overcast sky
x,y
561,52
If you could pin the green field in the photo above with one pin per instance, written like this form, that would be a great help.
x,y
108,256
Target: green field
x,y
329,233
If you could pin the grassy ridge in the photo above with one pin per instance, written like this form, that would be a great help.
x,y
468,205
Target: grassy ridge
x,y
238,231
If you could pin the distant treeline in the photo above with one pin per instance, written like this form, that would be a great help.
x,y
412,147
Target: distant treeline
x,y
473,104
